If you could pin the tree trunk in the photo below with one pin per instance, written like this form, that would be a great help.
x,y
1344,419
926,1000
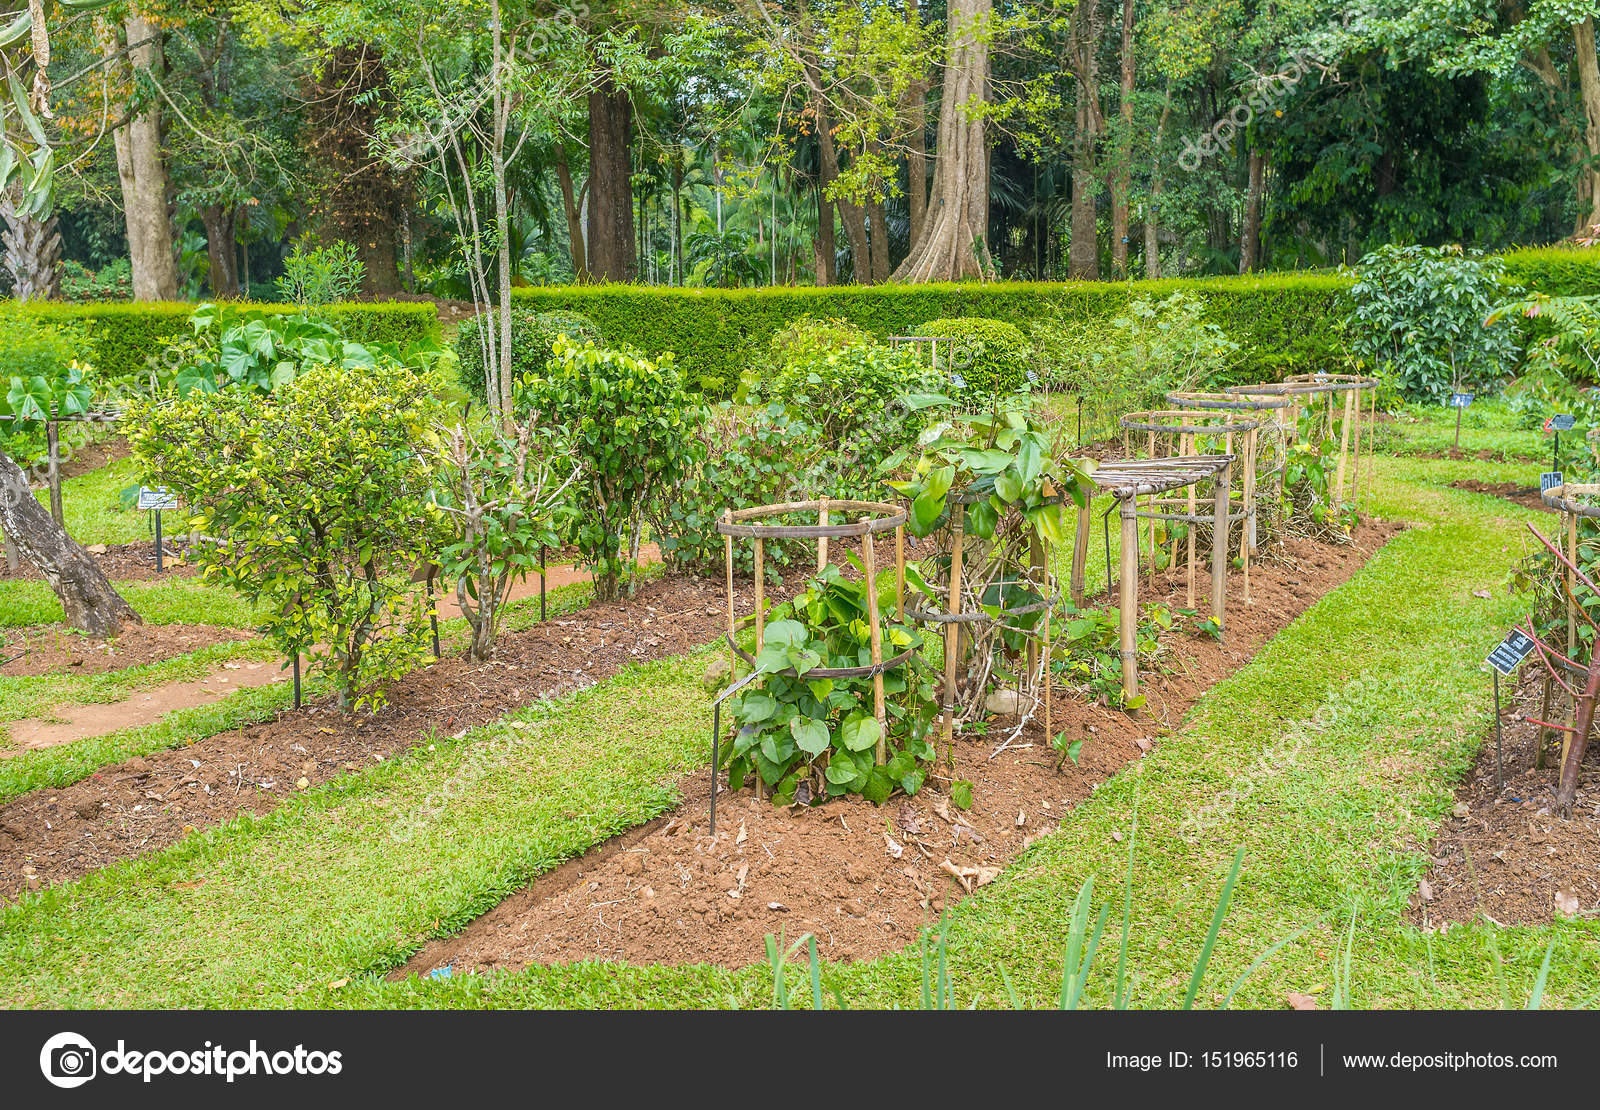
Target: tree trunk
x,y
1083,253
33,251
954,243
142,171
1121,177
1589,91
1250,239
222,226
91,604
826,249
1152,216
916,142
880,242
610,255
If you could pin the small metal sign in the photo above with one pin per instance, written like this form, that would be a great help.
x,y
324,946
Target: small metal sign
x,y
1461,400
152,499
1549,480
1510,652
1560,422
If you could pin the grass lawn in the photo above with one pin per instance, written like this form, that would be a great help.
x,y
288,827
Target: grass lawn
x,y
1487,425
1329,759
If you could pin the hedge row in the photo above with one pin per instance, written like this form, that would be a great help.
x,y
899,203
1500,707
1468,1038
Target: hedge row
x,y
1558,271
1285,323
122,335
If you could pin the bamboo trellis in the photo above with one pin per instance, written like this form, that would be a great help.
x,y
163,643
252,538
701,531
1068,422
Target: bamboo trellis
x,y
876,517
1182,433
1344,415
1276,432
1128,480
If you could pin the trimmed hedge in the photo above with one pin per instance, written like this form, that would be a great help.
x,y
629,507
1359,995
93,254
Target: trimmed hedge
x,y
1284,323
1558,271
123,334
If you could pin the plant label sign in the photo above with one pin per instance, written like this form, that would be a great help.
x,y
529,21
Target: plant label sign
x,y
152,499
1549,480
1510,652
1560,422
1461,400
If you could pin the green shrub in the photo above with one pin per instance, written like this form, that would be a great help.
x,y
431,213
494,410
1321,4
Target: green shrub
x,y
533,336
634,430
990,358
42,376
320,503
317,276
1417,315
114,282
801,341
841,391
1561,271
1130,362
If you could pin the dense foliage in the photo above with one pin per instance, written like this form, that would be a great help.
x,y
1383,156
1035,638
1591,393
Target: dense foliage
x,y
987,358
533,338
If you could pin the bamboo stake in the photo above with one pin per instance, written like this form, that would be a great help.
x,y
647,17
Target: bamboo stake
x,y
1355,451
952,630
1572,608
875,639
1219,542
1189,449
1049,616
900,570
1080,552
1129,622
761,608
822,541
1344,444
1153,508
1247,540
727,550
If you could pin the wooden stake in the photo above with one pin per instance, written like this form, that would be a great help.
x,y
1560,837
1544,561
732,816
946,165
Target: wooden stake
x,y
1355,449
1247,539
1189,449
761,589
1129,614
1219,542
875,638
900,570
822,541
1080,552
727,551
1572,609
1049,616
952,630
1153,505
1344,444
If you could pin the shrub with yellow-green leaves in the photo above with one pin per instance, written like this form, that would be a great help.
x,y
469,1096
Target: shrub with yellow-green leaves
x,y
316,498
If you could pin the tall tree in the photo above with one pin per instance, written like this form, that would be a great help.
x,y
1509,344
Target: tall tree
x,y
954,244
139,56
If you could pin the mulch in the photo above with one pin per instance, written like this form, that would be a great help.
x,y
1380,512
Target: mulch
x,y
55,649
1504,855
1512,491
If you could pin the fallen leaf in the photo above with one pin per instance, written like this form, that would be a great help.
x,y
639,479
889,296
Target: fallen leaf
x,y
1302,1002
893,846
1566,902
338,984
777,907
1022,818
1425,890
1482,593
743,835
303,782
959,874
987,875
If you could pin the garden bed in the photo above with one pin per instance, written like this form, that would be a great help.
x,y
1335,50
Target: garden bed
x,y
1505,856
664,893
55,649
122,562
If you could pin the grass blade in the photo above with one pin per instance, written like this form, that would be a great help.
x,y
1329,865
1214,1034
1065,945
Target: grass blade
x,y
1216,927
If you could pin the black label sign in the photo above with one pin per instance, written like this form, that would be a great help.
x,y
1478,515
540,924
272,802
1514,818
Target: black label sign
x,y
1461,400
1549,480
1560,422
1510,652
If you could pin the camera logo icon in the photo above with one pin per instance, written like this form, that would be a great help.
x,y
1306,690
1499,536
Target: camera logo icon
x,y
67,1060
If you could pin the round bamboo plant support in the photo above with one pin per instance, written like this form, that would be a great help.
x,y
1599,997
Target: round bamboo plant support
x,y
1128,480
1276,419
1344,413
875,517
963,618
1183,433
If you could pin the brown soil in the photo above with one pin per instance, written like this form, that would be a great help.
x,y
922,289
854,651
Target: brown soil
x,y
667,893
1482,454
124,562
1506,856
558,574
92,456
55,649
52,836
1511,491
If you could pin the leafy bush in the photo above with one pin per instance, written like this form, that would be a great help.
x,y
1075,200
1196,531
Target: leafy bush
x,y
42,376
743,461
533,337
504,494
1418,315
114,282
991,357
811,739
801,341
1132,361
318,498
840,391
316,276
633,428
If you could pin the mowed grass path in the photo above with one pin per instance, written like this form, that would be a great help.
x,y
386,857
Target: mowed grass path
x,y
1329,758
